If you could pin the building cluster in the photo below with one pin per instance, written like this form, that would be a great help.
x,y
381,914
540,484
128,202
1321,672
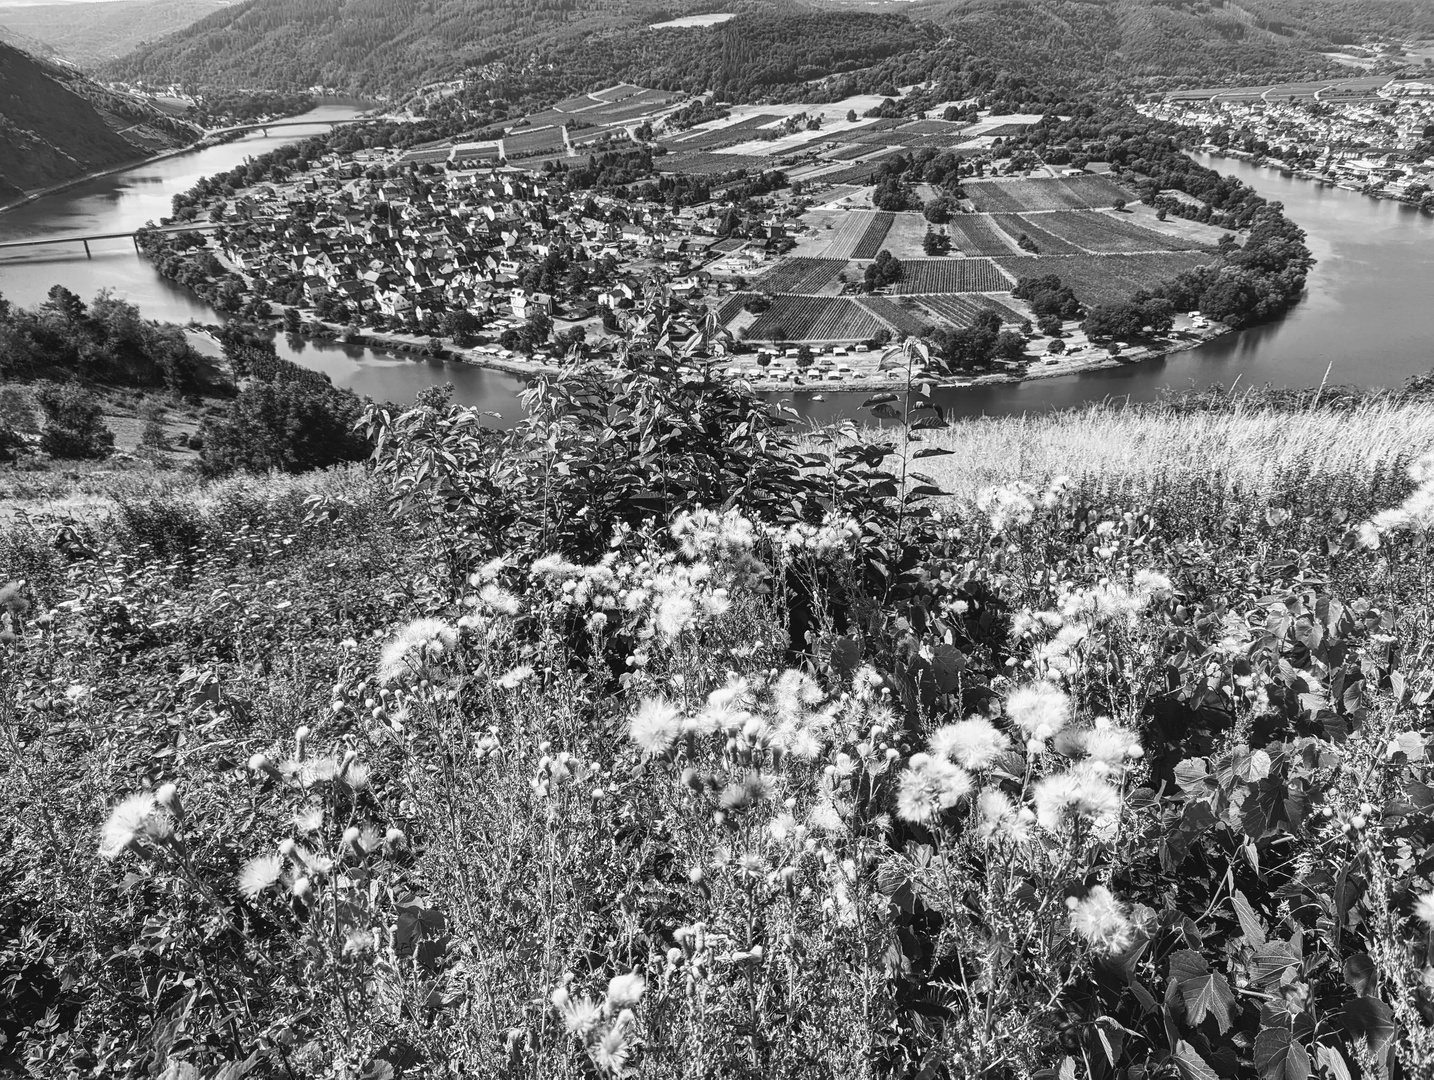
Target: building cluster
x,y
1376,142
496,243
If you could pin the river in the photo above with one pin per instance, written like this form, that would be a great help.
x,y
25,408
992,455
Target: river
x,y
1367,318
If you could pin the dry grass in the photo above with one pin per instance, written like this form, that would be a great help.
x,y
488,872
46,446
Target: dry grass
x,y
1252,450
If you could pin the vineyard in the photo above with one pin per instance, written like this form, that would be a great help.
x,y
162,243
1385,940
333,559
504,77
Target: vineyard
x,y
951,276
815,318
1108,234
963,310
800,275
701,163
731,306
900,318
839,241
871,240
976,234
724,136
1105,279
1069,193
1047,243
847,152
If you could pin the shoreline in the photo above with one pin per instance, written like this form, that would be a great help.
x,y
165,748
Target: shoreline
x,y
1284,168
100,174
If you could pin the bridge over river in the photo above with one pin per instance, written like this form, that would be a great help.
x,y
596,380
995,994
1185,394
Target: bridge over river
x,y
87,238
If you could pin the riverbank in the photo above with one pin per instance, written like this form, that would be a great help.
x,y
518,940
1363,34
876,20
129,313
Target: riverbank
x,y
1264,161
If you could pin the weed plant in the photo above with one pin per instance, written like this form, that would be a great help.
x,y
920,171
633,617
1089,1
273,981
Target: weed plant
x,y
649,739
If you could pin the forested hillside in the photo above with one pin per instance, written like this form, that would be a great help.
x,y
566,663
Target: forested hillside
x,y
543,46
90,34
55,126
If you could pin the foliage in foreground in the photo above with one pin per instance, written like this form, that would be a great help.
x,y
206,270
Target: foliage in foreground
x,y
560,773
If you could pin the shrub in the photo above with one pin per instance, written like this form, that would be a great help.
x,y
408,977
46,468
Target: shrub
x,y
74,423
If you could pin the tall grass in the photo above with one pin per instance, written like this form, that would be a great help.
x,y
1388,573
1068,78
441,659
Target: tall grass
x,y
1250,450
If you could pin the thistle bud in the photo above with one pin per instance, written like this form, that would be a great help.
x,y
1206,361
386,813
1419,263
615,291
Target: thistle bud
x,y
394,838
286,847
695,875
301,888
259,763
351,835
168,797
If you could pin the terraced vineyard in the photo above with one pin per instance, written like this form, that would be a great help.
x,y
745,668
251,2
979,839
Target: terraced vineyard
x,y
731,135
731,306
870,243
963,310
951,276
702,163
800,275
900,318
1105,279
814,318
1068,193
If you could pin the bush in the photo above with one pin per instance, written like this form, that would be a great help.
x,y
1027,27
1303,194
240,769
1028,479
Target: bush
x,y
74,423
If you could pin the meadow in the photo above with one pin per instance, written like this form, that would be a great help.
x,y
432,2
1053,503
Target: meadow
x,y
658,737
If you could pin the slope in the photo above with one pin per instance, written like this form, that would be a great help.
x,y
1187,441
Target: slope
x,y
55,125
89,34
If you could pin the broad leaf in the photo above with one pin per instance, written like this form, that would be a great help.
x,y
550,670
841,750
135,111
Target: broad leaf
x,y
1191,1065
1279,1057
1204,992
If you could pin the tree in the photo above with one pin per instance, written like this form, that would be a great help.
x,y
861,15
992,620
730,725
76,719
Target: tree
x,y
74,423
851,117
537,329
283,426
935,243
65,304
939,210
1119,204
1049,325
805,357
885,269
1056,347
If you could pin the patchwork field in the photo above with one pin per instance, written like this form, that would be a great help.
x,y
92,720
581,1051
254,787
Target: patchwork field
x,y
837,233
1104,279
1067,193
731,135
952,276
815,318
701,163
1047,243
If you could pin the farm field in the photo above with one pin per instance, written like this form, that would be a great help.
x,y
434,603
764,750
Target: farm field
x,y
907,234
977,235
1104,279
900,318
713,138
847,152
701,163
1103,234
837,233
871,240
730,306
1069,193
932,127
860,173
1047,242
800,275
951,276
962,310
814,318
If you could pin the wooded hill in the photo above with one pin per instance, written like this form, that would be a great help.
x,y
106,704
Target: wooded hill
x,y
55,125
560,45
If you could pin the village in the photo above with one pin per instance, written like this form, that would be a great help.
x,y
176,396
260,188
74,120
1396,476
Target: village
x,y
1373,135
452,250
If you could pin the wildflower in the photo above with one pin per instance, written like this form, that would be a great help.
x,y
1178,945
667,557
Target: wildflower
x,y
1007,506
1102,921
1080,792
258,874
1108,743
580,1015
929,786
1150,582
1039,710
675,613
358,942
624,990
997,817
500,600
514,678
655,725
415,650
126,823
972,744
610,1052
1424,909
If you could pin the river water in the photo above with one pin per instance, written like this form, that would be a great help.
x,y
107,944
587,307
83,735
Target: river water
x,y
1367,319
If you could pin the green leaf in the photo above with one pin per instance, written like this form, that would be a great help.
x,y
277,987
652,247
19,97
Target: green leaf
x,y
1332,1062
1279,1057
1205,992
1272,964
1361,974
932,451
878,399
1369,1018
1249,921
949,662
1191,1065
